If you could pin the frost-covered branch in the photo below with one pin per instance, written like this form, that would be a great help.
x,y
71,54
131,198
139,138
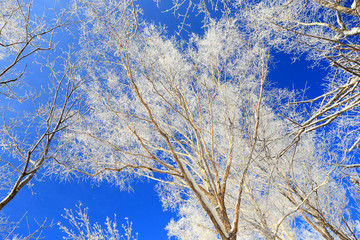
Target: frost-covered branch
x,y
21,158
80,228
22,35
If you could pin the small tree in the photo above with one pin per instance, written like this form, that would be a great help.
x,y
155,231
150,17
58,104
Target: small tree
x,y
81,228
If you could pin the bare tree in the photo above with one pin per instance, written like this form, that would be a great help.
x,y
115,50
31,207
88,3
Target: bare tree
x,y
30,122
26,142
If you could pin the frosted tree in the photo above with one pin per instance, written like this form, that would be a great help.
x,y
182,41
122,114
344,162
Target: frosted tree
x,y
200,118
325,30
23,151
29,122
80,228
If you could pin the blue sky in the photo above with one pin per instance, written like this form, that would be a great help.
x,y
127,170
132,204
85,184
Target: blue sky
x,y
48,197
